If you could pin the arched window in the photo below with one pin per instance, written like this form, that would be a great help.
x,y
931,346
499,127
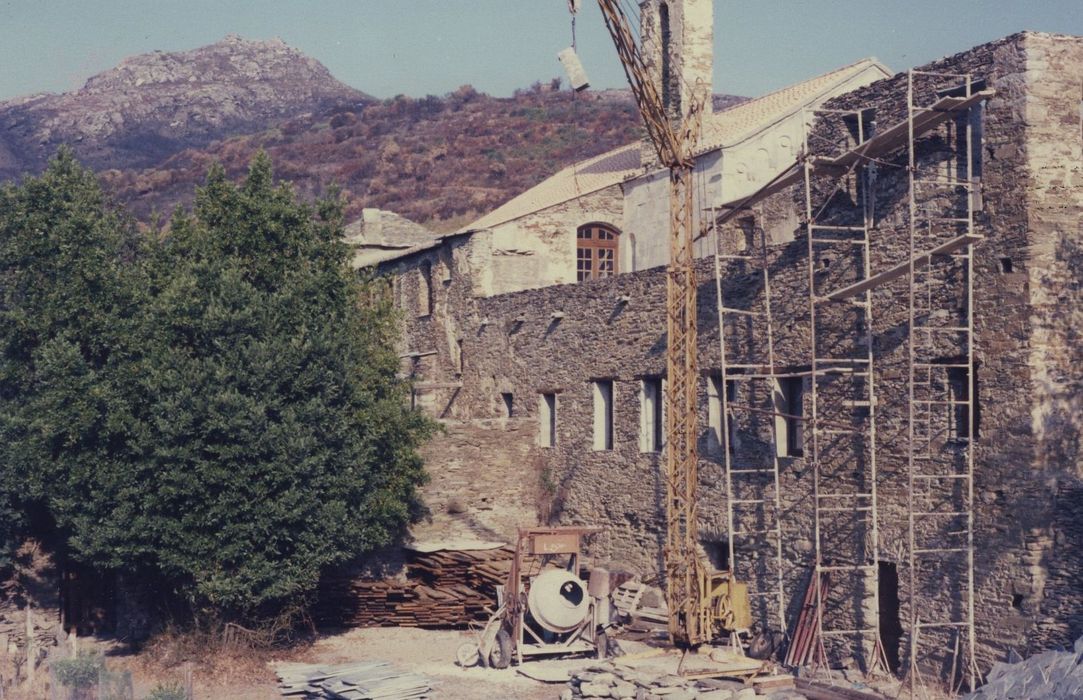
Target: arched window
x,y
596,251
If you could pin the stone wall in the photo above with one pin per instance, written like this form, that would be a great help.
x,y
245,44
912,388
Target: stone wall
x,y
539,249
560,339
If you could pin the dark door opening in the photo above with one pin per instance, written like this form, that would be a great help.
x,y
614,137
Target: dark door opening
x,y
891,629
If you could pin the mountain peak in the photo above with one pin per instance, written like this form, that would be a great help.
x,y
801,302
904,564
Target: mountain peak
x,y
158,103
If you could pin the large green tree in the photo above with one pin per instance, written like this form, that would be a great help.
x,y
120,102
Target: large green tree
x,y
246,427
64,309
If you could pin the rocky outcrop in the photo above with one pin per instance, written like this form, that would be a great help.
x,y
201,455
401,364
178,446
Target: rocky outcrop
x,y
154,105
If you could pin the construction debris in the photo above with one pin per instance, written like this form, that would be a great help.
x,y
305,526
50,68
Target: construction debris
x,y
366,680
617,680
444,588
1050,675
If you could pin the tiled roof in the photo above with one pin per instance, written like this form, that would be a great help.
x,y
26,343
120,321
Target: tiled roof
x,y
748,118
720,129
582,178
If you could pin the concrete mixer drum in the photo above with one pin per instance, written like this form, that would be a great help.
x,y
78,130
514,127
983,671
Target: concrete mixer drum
x,y
558,600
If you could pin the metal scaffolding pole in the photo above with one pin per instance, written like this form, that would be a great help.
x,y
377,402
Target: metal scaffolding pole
x,y
843,382
940,460
767,498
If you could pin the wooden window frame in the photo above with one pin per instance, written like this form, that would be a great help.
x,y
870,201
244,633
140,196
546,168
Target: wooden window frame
x,y
597,251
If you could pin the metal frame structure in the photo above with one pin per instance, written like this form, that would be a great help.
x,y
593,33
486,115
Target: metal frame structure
x,y
843,404
688,589
768,498
541,543
940,467
925,253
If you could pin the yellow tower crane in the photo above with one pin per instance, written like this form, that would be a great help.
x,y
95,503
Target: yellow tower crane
x,y
702,603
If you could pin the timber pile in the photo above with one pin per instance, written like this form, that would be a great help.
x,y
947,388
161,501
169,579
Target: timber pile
x,y
445,588
13,627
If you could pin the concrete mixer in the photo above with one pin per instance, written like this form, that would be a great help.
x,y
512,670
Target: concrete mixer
x,y
545,608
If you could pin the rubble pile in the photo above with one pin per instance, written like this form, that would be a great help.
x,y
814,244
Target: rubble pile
x,y
365,680
609,680
1050,675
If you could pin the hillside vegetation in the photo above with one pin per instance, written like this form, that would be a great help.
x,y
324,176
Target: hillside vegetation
x,y
437,160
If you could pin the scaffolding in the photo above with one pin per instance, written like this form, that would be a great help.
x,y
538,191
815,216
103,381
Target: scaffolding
x,y
838,181
941,409
753,494
837,219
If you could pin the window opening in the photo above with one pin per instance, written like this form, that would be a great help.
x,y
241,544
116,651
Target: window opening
x,y
596,251
959,404
603,414
547,420
714,413
650,425
509,404
789,421
425,290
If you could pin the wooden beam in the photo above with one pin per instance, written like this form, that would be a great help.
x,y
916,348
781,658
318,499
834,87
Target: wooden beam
x,y
901,269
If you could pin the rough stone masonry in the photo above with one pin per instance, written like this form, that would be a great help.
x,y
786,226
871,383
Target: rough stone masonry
x,y
485,364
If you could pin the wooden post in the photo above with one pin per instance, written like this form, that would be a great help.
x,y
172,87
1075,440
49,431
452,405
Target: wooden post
x,y
29,646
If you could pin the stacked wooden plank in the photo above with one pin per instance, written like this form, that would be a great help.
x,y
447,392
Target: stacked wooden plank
x,y
445,588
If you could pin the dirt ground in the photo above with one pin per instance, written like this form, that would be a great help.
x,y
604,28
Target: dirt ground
x,y
428,652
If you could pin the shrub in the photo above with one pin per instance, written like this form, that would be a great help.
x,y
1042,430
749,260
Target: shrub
x,y
79,672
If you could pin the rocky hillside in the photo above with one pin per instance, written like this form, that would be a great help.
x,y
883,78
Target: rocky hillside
x,y
441,161
154,105
154,124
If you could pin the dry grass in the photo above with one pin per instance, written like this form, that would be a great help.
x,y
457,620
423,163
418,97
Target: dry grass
x,y
220,655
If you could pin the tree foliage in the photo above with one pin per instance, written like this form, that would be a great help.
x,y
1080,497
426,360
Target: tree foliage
x,y
216,407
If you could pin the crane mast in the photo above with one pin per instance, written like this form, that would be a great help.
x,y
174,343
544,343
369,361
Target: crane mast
x,y
688,583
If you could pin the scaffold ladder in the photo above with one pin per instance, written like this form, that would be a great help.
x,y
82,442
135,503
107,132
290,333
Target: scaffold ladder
x,y
843,405
941,425
754,518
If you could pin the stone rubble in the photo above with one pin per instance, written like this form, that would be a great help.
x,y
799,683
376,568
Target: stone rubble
x,y
613,680
1050,675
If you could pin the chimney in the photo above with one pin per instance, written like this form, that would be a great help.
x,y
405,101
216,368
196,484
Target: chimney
x,y
677,42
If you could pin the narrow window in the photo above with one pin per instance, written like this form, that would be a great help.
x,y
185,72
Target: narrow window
x,y
596,248
509,404
650,415
1006,265
547,420
789,410
714,413
424,290
959,404
603,414
977,127
396,291
459,347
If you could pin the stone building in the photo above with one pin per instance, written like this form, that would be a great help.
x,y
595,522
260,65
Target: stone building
x,y
537,336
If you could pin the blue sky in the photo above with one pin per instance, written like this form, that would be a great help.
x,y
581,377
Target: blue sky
x,y
420,47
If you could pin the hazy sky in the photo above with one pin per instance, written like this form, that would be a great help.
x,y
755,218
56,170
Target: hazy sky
x,y
418,47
